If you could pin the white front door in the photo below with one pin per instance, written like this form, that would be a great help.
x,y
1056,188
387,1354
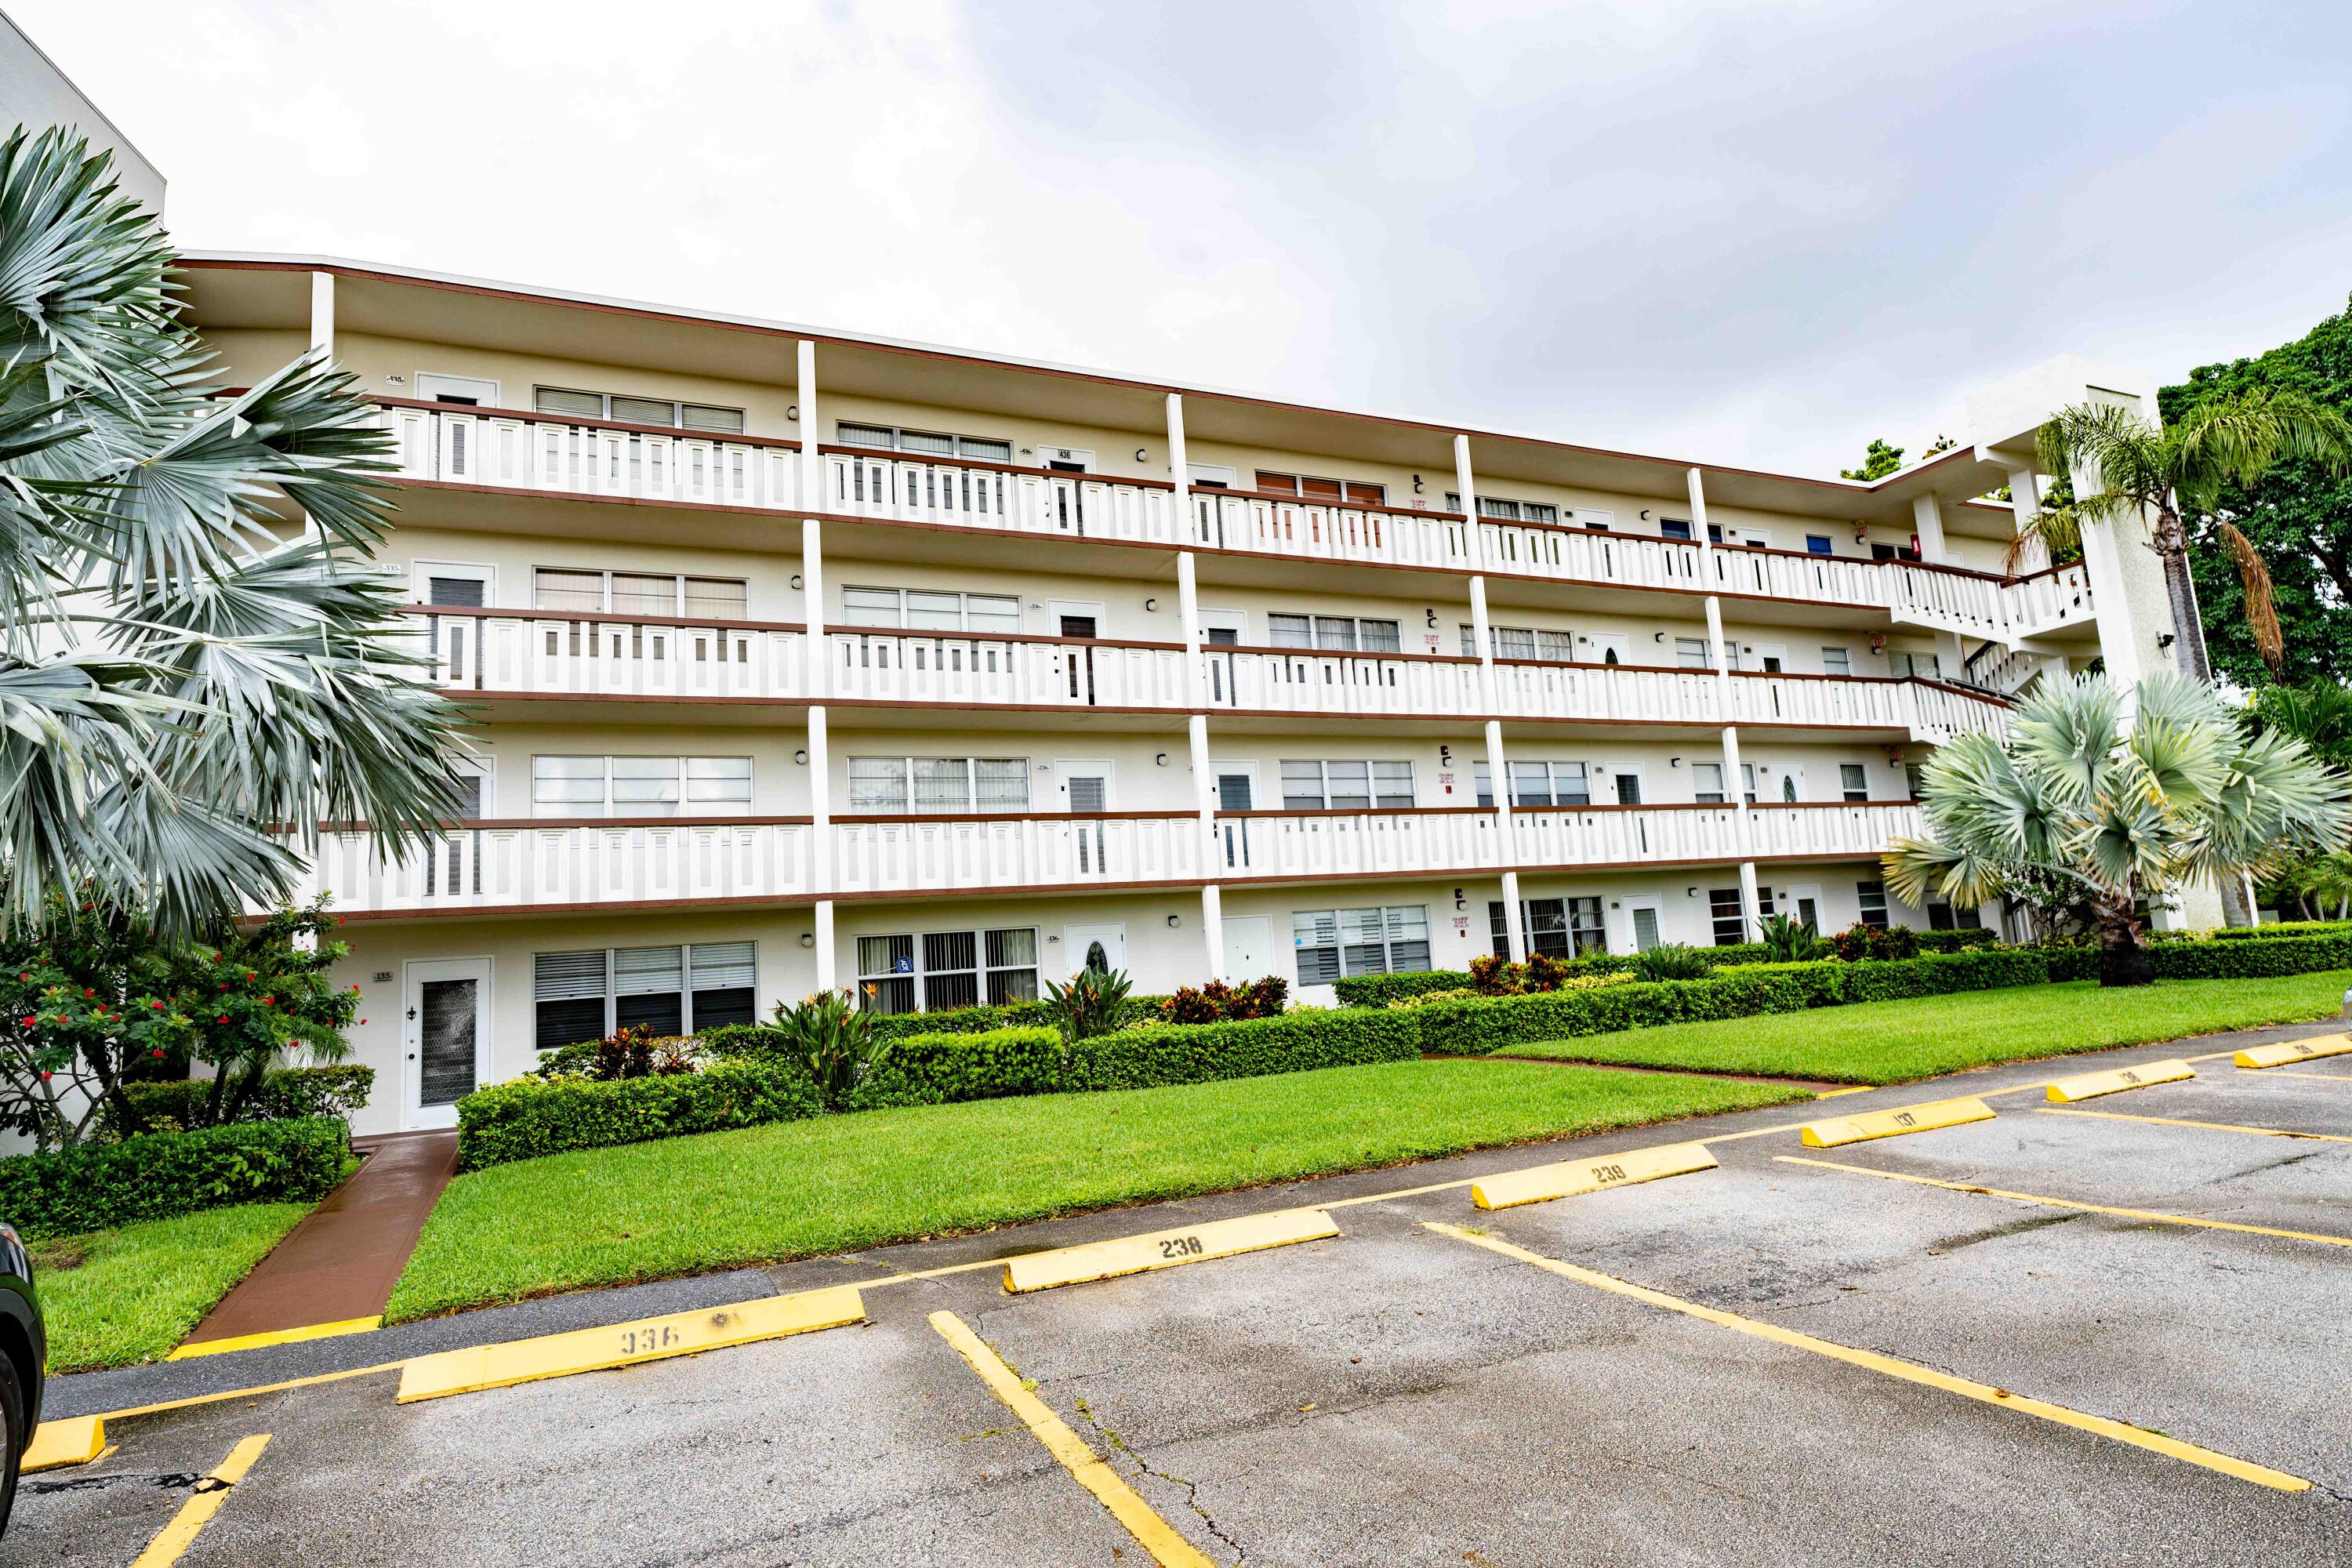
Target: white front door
x,y
1249,949
1081,621
1611,647
471,391
1805,904
447,1040
1096,946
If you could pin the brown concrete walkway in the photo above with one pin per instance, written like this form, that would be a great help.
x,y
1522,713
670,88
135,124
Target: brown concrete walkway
x,y
340,1263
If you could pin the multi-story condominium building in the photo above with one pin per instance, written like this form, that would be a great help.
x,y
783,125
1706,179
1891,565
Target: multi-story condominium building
x,y
806,659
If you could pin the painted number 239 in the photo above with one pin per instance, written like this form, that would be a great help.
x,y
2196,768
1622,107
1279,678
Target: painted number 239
x,y
1181,1246
636,1341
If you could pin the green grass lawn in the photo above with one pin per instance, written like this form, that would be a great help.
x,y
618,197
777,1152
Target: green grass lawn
x,y
1895,1042
115,1296
839,1183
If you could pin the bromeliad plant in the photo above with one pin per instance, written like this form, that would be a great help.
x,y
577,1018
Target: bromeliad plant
x,y
1093,1002
197,662
835,1039
1788,939
2120,813
1671,961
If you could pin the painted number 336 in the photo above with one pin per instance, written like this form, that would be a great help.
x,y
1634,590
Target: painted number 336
x,y
1181,1246
637,1341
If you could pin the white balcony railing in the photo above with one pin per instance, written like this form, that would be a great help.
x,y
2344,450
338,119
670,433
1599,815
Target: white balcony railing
x,y
518,866
513,865
510,450
504,448
964,671
552,654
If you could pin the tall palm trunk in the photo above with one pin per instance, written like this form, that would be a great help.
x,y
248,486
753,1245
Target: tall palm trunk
x,y
2123,959
2170,538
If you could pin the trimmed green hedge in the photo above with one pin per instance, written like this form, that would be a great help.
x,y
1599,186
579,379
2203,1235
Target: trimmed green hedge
x,y
1476,1026
528,1117
932,1069
2219,957
98,1187
285,1095
733,1039
2282,928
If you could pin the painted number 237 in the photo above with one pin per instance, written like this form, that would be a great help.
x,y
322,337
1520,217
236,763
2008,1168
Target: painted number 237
x,y
1181,1246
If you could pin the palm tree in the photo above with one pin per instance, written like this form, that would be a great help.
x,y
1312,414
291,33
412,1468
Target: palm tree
x,y
2186,792
2145,473
196,662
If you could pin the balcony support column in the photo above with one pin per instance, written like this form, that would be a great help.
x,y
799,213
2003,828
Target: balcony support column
x,y
322,314
1188,610
819,770
1927,528
1471,544
1212,929
1735,784
1508,858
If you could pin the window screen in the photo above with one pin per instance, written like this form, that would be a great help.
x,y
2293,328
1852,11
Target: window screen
x,y
568,994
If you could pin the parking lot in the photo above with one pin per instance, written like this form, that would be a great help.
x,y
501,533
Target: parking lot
x,y
2130,1348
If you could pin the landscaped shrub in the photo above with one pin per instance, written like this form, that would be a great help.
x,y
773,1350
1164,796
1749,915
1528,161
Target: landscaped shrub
x,y
1671,961
1789,941
634,1052
1859,942
2236,954
1218,1002
98,1186
1379,990
283,1095
528,1117
833,1041
1095,1001
935,1070
2281,928
1295,1042
1479,1024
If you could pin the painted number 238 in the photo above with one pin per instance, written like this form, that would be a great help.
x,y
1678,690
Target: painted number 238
x,y
1181,1246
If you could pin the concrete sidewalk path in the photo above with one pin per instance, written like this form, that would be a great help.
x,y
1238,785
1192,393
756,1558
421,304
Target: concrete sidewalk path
x,y
338,1266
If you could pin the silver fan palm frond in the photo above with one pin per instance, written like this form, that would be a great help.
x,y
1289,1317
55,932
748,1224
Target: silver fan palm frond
x,y
199,663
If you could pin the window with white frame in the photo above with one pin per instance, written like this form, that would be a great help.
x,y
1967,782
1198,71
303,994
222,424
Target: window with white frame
x,y
1854,781
1531,642
924,787
924,443
1307,488
1730,923
1707,783
587,994
1311,784
925,972
1925,665
1690,653
640,786
930,610
1557,928
1537,783
1873,898
628,410
1336,633
1837,661
637,593
1332,943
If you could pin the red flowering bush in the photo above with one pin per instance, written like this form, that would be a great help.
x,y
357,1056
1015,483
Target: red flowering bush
x,y
1218,1002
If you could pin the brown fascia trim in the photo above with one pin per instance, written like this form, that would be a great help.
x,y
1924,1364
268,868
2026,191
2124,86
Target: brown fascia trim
x,y
524,295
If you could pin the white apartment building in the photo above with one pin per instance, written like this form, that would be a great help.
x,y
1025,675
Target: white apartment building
x,y
804,660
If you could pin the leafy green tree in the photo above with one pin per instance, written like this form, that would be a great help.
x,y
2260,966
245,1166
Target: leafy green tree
x,y
197,662
2167,480
2297,517
1877,461
2120,814
95,997
2319,714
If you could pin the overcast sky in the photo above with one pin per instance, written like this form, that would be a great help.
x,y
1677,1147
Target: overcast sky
x,y
1750,231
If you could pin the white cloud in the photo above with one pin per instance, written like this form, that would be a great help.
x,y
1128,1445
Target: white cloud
x,y
1762,233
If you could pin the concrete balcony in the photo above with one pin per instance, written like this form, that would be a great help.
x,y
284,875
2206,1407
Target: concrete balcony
x,y
504,448
540,866
544,866
570,654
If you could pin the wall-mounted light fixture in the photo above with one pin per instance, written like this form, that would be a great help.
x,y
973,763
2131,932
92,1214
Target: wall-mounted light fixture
x,y
1690,892
1162,758
1173,922
796,581
793,412
808,939
2164,639
1673,762
1142,456
1657,637
1150,606
800,757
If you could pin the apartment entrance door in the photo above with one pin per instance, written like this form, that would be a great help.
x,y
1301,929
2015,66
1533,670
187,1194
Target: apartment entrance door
x,y
1086,794
1065,492
1249,948
1093,946
446,1037
1075,618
